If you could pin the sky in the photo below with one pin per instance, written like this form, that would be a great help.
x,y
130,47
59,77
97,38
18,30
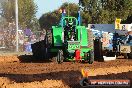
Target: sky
x,y
45,6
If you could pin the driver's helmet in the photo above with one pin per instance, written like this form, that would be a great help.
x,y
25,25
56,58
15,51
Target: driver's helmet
x,y
70,23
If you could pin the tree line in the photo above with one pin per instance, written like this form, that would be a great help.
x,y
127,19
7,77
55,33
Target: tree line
x,y
92,12
27,10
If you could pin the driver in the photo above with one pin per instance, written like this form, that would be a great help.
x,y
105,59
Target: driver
x,y
71,31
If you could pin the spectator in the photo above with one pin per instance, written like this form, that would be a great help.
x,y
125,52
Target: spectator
x,y
33,39
27,32
21,41
28,46
42,36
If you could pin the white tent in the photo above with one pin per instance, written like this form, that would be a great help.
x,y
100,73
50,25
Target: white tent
x,y
106,28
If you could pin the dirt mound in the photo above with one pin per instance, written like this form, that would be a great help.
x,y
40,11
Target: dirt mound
x,y
8,59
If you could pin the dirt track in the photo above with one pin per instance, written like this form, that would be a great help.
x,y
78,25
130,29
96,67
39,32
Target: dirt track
x,y
22,72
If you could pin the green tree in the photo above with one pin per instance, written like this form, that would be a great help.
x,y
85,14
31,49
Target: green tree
x,y
8,10
49,19
72,8
26,8
35,26
91,10
105,11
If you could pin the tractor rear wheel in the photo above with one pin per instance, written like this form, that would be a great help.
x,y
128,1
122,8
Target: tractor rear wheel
x,y
59,58
41,49
130,55
91,59
90,45
125,55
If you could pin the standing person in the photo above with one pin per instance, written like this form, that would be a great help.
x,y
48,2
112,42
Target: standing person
x,y
27,32
129,37
42,36
114,41
21,40
105,40
33,39
27,45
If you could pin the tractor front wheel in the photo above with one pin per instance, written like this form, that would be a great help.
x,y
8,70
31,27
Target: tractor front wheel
x,y
59,57
130,55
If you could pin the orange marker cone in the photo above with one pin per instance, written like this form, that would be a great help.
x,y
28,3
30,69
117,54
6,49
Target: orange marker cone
x,y
84,73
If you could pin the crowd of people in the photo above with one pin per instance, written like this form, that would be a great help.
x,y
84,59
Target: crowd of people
x,y
7,36
26,38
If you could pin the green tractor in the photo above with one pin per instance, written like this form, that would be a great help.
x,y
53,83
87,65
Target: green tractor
x,y
68,41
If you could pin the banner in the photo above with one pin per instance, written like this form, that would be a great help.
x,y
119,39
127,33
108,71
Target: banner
x,y
130,27
125,27
89,82
117,23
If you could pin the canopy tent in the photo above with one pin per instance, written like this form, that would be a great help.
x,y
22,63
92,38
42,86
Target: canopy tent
x,y
110,28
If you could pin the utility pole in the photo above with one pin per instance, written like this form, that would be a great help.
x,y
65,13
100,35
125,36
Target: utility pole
x,y
16,2
68,8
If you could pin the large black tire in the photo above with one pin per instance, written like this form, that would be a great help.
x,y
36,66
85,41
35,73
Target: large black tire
x,y
130,55
41,49
59,57
38,50
125,55
91,59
